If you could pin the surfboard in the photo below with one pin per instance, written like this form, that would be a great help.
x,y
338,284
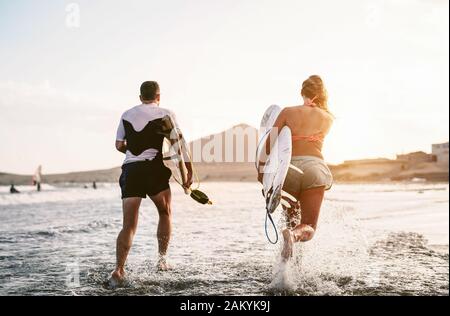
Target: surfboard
x,y
175,154
278,162
267,121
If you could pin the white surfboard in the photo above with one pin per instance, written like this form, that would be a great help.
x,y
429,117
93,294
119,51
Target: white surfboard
x,y
267,121
278,163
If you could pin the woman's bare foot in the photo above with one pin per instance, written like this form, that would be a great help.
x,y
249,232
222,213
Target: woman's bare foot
x,y
287,251
162,264
117,279
303,232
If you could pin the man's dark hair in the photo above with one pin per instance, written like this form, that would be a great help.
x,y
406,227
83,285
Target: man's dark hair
x,y
149,90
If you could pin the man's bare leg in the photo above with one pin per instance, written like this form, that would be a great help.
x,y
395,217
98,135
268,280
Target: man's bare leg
x,y
126,235
163,204
310,203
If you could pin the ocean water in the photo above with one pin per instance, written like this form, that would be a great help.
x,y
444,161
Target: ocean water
x,y
372,239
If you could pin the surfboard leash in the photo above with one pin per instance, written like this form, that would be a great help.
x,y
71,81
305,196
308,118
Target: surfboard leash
x,y
268,216
194,193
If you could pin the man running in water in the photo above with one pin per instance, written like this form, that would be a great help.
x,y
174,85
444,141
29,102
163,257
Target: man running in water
x,y
144,174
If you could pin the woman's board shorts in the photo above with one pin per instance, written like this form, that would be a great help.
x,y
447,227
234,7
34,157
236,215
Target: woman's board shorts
x,y
142,178
316,174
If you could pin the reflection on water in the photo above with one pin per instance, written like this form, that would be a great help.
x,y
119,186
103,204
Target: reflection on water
x,y
372,240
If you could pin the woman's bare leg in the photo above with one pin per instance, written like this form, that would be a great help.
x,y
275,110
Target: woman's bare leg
x,y
310,204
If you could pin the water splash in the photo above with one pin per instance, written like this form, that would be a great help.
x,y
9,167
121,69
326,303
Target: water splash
x,y
328,263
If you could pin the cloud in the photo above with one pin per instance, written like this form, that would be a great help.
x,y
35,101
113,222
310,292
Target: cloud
x,y
41,104
63,130
14,94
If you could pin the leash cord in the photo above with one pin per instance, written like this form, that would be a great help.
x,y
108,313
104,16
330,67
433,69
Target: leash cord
x,y
274,228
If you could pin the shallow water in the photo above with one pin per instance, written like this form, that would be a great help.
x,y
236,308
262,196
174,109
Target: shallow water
x,y
384,239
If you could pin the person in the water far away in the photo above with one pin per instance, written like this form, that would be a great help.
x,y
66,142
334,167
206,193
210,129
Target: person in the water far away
x,y
309,123
13,189
37,177
144,174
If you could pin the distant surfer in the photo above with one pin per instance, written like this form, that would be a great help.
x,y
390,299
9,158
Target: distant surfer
x,y
94,185
144,174
310,123
37,178
13,189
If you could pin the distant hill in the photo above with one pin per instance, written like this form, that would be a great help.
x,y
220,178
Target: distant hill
x,y
238,148
107,175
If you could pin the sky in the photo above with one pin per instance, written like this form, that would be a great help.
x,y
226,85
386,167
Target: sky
x,y
69,69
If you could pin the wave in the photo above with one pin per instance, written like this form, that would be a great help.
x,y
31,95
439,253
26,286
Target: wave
x,y
59,231
50,194
88,228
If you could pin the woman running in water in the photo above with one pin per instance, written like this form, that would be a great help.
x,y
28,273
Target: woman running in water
x,y
309,124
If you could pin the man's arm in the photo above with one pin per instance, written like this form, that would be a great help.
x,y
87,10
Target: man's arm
x,y
187,164
180,141
121,146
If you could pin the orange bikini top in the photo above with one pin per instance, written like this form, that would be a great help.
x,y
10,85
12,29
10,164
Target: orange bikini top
x,y
312,138
319,137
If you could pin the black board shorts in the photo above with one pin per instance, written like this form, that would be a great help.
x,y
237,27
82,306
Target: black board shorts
x,y
142,178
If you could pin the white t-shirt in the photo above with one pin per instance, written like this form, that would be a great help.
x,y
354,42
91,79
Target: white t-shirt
x,y
139,116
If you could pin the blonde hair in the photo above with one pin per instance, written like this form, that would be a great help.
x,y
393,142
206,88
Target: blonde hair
x,y
314,89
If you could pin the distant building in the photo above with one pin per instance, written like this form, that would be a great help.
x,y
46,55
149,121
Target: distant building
x,y
441,152
375,168
368,161
417,157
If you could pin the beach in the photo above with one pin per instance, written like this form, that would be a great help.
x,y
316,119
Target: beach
x,y
372,239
